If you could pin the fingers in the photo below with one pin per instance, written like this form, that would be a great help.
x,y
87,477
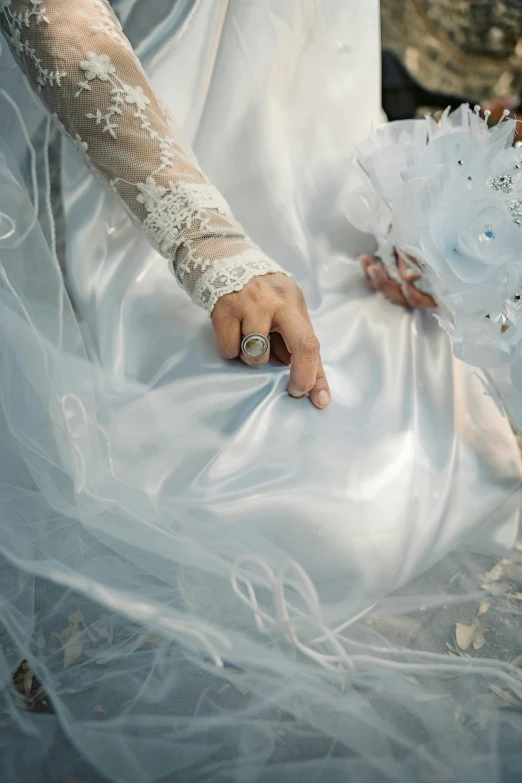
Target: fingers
x,y
320,394
408,274
406,295
274,307
385,285
278,349
256,323
303,345
229,333
416,298
366,262
380,279
413,296
227,329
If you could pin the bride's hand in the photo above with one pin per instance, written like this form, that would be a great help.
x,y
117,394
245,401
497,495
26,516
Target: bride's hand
x,y
273,305
406,294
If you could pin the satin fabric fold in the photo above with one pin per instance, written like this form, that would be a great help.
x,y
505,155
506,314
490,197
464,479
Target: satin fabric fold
x,y
411,457
185,551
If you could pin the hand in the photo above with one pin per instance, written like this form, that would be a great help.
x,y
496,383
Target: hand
x,y
273,305
406,294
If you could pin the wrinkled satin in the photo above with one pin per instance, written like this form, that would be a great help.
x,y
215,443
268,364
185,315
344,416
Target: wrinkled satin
x,y
411,459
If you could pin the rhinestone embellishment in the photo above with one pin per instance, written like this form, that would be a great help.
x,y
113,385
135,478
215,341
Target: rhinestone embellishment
x,y
504,183
516,211
487,235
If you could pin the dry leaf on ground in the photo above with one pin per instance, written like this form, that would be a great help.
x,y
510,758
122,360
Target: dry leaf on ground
x,y
464,635
467,635
495,573
479,641
71,652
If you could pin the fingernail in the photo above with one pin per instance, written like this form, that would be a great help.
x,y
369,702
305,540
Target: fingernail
x,y
296,393
410,274
323,397
372,273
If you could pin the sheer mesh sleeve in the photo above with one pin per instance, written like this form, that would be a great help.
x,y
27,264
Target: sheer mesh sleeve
x,y
76,56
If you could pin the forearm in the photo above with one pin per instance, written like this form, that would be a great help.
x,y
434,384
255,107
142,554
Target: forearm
x,y
78,59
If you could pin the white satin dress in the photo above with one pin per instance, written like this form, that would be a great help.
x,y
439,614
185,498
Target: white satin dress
x,y
412,458
137,466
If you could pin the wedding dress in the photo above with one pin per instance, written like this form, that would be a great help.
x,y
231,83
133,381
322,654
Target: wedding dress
x,y
186,551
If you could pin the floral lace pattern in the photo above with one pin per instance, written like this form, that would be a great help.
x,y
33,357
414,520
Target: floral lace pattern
x,y
230,275
174,209
88,76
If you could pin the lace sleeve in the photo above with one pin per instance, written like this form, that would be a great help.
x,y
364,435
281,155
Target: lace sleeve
x,y
78,59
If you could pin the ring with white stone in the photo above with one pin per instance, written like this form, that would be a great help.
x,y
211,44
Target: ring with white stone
x,y
255,346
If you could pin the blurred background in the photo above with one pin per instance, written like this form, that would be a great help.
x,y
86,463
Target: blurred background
x,y
438,53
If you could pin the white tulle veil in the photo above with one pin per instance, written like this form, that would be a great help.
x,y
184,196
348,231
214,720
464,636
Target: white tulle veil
x,y
164,646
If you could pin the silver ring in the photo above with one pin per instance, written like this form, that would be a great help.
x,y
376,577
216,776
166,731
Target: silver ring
x,y
255,346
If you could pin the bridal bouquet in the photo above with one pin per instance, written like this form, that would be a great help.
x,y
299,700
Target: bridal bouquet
x,y
448,194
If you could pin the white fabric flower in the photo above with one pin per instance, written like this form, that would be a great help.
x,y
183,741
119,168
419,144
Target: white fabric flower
x,y
450,194
150,193
135,95
469,236
97,66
